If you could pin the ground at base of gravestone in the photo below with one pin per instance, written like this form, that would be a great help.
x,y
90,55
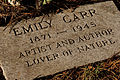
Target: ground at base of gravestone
x,y
103,70
108,69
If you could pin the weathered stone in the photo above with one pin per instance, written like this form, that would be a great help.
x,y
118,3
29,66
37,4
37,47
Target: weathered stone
x,y
50,44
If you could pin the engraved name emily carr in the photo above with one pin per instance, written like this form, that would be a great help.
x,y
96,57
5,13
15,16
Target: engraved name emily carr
x,y
43,24
48,24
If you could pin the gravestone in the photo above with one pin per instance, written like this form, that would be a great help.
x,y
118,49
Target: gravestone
x,y
53,43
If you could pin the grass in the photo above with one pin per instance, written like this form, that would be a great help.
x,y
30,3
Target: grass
x,y
103,70
10,15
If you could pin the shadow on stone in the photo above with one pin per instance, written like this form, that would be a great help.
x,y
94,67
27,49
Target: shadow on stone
x,y
1,75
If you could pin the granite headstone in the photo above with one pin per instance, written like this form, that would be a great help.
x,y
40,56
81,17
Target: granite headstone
x,y
53,43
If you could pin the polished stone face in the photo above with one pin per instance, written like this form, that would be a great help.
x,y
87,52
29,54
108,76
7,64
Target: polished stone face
x,y
53,43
